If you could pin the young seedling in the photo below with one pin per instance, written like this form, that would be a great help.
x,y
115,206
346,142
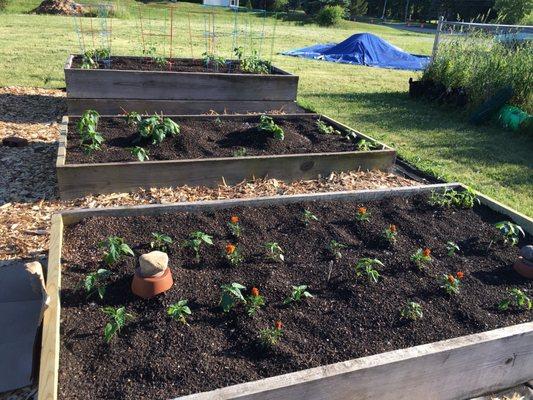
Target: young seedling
x,y
335,248
196,240
156,128
298,294
274,251
234,226
211,59
254,302
116,248
252,64
450,197
452,248
365,145
91,58
240,152
326,129
140,153
362,214
158,60
450,283
160,241
421,258
391,233
411,311
179,311
118,317
308,216
233,255
95,282
267,124
510,232
133,118
365,266
91,140
231,296
270,337
518,299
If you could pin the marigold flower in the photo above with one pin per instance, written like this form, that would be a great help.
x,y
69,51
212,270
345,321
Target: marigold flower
x,y
426,252
255,292
392,228
278,325
451,279
230,248
460,275
361,210
234,219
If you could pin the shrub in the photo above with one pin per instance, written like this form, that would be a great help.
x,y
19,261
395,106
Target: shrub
x,y
3,4
330,15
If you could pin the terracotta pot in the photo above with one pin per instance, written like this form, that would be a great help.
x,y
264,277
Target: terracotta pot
x,y
151,286
524,268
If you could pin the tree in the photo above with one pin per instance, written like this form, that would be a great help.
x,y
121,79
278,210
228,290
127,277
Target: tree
x,y
357,7
512,11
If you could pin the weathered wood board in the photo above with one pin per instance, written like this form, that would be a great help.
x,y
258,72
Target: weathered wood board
x,y
457,368
77,180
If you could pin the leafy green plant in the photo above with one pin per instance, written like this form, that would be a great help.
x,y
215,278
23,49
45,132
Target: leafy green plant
x,y
233,254
91,58
231,296
240,152
160,241
156,128
196,240
391,233
451,284
330,15
510,232
362,214
270,337
133,118
452,248
214,60
365,145
463,199
274,251
298,294
116,248
118,318
412,311
87,126
254,302
307,217
421,258
179,311
267,124
326,129
159,60
335,248
95,282
365,266
518,299
140,153
252,63
234,226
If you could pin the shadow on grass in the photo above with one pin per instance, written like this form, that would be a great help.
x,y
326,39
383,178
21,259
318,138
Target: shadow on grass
x,y
434,129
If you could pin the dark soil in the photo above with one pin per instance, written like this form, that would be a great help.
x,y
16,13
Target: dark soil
x,y
436,91
155,357
207,137
175,64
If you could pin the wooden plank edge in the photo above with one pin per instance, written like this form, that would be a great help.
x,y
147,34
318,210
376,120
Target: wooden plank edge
x,y
49,364
62,143
269,386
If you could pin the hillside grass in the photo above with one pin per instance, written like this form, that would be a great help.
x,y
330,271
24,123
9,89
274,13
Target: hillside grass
x,y
437,139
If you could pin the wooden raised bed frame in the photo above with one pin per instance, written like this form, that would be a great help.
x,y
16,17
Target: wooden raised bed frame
x,y
450,369
77,180
112,91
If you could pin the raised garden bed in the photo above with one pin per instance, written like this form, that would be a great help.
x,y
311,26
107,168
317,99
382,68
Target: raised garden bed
x,y
348,341
209,149
184,87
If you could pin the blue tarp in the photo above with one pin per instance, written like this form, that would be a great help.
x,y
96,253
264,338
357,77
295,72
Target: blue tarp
x,y
363,49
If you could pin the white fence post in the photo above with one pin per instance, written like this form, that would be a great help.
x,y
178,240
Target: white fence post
x,y
437,36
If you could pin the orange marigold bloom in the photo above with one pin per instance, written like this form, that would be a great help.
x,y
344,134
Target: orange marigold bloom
x,y
230,248
361,210
460,275
451,279
234,219
392,228
255,292
278,325
426,252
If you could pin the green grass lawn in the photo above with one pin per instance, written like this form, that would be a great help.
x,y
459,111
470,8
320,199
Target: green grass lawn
x,y
437,139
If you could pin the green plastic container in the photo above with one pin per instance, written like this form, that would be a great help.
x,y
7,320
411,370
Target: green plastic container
x,y
514,119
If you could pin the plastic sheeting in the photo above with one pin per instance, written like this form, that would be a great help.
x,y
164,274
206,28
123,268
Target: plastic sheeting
x,y
363,49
